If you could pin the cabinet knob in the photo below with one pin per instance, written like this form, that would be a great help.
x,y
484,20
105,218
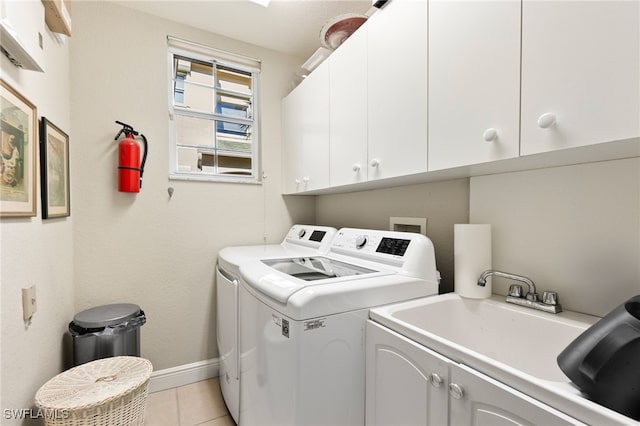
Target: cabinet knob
x,y
435,380
297,181
490,134
305,179
547,120
375,162
455,390
356,167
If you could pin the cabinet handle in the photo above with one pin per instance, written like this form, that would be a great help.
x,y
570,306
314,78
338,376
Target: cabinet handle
x,y
435,380
455,390
490,134
356,167
547,120
375,162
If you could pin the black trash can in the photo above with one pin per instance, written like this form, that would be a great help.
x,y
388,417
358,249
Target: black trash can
x,y
106,331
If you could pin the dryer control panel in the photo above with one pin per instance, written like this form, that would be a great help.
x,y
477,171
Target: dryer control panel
x,y
318,237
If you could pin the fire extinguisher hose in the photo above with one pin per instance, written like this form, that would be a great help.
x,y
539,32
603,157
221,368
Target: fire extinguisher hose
x,y
144,157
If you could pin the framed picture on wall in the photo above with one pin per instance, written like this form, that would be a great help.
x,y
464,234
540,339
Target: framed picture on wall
x,y
54,170
18,122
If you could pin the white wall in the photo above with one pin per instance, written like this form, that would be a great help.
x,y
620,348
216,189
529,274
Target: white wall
x,y
148,249
37,252
573,229
442,203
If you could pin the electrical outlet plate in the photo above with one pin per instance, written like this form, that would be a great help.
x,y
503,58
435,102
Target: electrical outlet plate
x,y
29,305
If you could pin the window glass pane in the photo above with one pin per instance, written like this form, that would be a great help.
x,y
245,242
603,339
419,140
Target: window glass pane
x,y
234,137
197,98
234,80
196,161
194,131
233,106
233,164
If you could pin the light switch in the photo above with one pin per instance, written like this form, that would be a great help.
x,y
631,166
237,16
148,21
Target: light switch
x,y
29,306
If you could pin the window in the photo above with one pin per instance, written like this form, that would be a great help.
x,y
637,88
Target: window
x,y
214,119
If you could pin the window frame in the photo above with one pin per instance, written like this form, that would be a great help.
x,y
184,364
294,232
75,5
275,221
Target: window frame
x,y
216,57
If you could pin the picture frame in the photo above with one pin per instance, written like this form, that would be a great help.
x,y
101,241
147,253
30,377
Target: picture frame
x,y
19,139
54,171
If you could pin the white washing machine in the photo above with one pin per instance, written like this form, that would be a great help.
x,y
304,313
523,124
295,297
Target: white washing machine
x,y
302,324
301,240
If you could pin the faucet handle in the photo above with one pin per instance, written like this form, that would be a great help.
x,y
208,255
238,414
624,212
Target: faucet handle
x,y
515,290
550,298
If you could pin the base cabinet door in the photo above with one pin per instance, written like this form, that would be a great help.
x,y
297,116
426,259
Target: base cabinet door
x,y
406,384
477,399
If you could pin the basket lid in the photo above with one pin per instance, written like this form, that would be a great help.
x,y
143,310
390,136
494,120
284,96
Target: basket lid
x,y
106,315
94,383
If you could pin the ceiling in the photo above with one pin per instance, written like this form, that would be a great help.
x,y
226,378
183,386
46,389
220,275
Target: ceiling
x,y
289,26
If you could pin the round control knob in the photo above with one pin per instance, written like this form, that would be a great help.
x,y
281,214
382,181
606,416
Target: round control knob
x,y
375,162
361,241
547,120
435,380
490,135
302,233
456,391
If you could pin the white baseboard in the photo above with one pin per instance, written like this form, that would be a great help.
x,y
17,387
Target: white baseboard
x,y
183,375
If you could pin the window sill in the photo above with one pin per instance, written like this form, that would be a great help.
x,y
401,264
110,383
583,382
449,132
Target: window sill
x,y
220,179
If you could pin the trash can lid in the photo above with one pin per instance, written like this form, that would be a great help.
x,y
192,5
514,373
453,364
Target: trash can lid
x,y
106,315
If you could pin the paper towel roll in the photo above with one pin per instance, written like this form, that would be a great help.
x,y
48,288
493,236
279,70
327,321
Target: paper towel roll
x,y
471,257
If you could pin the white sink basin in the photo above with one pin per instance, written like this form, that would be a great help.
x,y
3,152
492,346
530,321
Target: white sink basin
x,y
515,345
520,338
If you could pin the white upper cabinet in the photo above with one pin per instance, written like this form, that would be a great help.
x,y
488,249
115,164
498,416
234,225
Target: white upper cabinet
x,y
306,133
580,73
474,82
397,89
348,110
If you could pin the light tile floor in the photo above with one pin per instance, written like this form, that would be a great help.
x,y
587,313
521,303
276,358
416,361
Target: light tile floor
x,y
199,404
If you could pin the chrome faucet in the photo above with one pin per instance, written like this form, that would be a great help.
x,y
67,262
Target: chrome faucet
x,y
531,295
549,301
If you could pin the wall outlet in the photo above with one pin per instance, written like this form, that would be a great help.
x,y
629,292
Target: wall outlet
x,y
29,305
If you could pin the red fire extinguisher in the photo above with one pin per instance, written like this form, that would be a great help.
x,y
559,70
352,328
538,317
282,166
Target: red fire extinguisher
x,y
130,169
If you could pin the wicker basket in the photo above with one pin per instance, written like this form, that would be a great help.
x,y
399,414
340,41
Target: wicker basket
x,y
109,391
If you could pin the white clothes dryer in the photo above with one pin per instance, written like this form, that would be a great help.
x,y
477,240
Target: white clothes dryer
x,y
301,240
302,324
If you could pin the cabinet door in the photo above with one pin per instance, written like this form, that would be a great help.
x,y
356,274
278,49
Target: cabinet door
x,y
397,87
348,111
580,73
474,82
306,133
485,401
291,152
406,384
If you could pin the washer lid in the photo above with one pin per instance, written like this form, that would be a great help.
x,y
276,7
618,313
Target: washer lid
x,y
106,315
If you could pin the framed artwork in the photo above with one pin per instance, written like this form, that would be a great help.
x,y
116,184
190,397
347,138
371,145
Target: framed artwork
x,y
54,170
18,122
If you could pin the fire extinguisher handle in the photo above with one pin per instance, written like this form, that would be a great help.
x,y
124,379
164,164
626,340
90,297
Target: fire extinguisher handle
x,y
144,157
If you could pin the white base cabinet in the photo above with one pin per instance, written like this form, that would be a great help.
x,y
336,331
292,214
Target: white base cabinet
x,y
408,384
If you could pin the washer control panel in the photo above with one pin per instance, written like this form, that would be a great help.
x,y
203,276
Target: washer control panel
x,y
372,241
